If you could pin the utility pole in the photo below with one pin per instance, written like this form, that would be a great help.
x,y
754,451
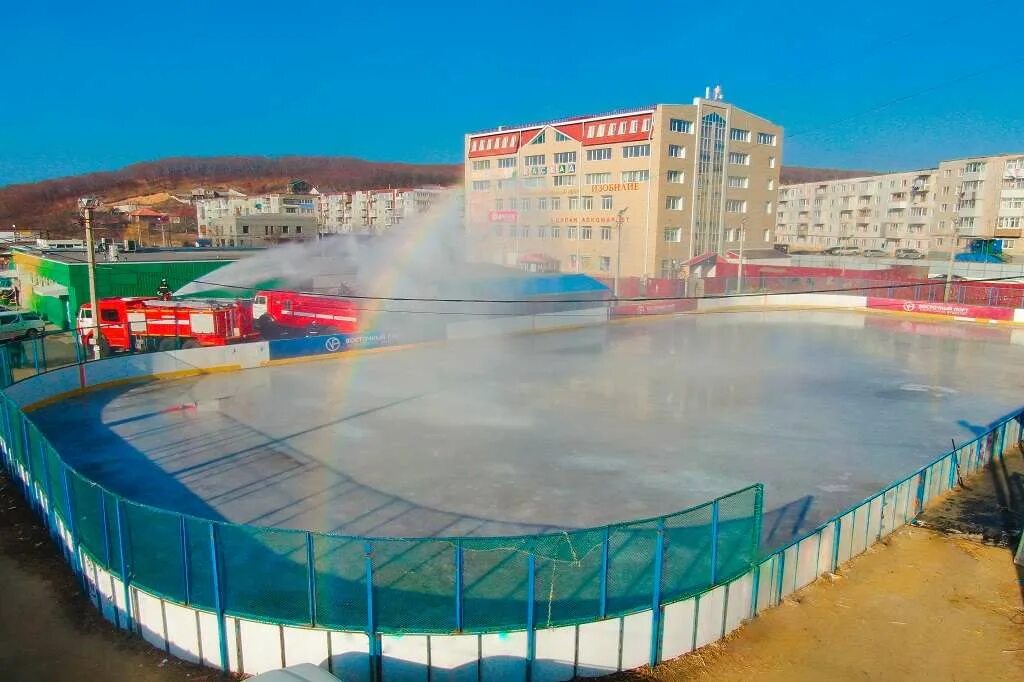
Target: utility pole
x,y
739,278
952,249
86,205
618,258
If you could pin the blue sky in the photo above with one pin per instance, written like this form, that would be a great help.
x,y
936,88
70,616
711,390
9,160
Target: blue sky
x,y
94,86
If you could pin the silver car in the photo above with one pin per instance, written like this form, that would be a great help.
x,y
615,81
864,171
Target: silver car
x,y
20,324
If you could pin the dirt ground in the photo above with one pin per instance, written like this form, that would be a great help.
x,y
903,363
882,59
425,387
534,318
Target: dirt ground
x,y
939,601
48,630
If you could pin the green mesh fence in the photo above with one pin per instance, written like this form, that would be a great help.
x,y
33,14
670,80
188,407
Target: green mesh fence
x,y
400,585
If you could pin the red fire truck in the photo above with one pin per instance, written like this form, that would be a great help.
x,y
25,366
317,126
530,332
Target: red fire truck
x,y
148,323
280,314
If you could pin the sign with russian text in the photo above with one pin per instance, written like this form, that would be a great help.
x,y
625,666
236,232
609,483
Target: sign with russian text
x,y
956,310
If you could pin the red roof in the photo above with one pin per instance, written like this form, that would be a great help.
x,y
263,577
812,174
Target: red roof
x,y
147,212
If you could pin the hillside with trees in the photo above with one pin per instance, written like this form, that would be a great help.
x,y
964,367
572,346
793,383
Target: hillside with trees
x,y
49,205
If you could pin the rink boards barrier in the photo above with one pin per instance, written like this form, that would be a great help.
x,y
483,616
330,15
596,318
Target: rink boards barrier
x,y
541,607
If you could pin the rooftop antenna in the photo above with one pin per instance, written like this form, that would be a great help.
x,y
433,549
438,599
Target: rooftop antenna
x,y
707,92
718,92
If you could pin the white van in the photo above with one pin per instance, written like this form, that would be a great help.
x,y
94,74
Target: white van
x,y
20,324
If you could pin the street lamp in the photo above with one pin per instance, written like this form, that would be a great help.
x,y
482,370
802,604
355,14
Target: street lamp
x,y
952,249
86,205
739,275
618,258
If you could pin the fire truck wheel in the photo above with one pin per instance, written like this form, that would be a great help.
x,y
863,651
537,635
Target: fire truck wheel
x,y
191,343
167,344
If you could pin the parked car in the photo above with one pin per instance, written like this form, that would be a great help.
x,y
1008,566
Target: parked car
x,y
909,254
842,251
20,324
874,253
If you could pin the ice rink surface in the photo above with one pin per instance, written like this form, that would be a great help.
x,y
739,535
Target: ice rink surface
x,y
555,430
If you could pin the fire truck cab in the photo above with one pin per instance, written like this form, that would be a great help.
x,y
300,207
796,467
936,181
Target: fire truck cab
x,y
280,314
148,323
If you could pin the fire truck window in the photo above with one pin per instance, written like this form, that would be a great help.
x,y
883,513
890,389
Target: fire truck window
x,y
108,315
287,305
261,300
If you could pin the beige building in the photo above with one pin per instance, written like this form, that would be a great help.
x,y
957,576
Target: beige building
x,y
261,229
658,185
924,209
375,210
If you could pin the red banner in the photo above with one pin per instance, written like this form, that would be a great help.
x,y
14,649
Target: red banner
x,y
653,307
940,308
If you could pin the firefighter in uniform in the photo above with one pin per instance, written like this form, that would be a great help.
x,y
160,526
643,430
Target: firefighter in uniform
x,y
164,290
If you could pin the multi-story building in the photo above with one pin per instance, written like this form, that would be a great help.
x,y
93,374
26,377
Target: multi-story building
x,y
634,192
924,209
224,218
373,210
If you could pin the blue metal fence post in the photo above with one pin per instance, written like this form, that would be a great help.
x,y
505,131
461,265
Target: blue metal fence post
x,y
371,622
122,559
659,559
782,575
311,577
218,597
35,355
603,580
531,615
42,351
47,489
186,559
6,375
458,586
26,441
714,542
105,525
76,565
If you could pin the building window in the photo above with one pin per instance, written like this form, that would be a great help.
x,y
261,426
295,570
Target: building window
x,y
556,204
1009,221
739,135
647,125
571,233
605,263
633,151
588,203
606,203
739,182
499,204
973,167
1007,243
676,176
513,203
245,229
542,204
674,234
481,165
561,137
479,185
573,262
565,180
633,126
539,139
766,138
739,159
574,203
735,206
586,232
565,157
472,146
590,132
606,233
602,154
771,162
541,230
298,229
284,229
771,184
509,162
768,207
600,129
513,232
676,151
636,176
598,178
556,232
534,160
525,205
674,203
678,125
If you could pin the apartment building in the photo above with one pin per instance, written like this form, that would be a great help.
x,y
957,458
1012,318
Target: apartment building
x,y
372,211
928,209
235,219
636,192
